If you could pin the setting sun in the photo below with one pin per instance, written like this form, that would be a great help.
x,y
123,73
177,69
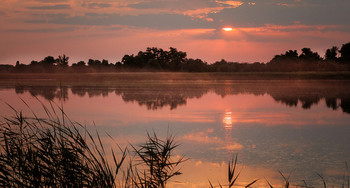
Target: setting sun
x,y
227,28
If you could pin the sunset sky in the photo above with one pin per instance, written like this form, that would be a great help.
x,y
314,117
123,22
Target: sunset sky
x,y
109,29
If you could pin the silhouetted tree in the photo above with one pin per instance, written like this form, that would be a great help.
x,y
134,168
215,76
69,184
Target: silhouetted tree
x,y
331,54
94,63
20,67
62,61
104,62
219,65
290,56
118,65
177,58
173,60
45,65
345,53
289,61
256,67
156,58
33,63
128,61
154,64
81,64
195,65
309,56
48,61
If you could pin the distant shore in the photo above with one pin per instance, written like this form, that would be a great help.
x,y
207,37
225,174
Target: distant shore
x,y
98,78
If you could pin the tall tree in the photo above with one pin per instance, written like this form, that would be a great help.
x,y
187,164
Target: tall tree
x,y
48,61
309,56
94,63
331,54
290,56
62,61
345,53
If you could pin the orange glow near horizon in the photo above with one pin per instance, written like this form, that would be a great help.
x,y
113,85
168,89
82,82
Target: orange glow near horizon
x,y
227,28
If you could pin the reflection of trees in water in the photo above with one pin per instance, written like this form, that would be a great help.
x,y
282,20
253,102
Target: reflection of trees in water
x,y
292,93
156,96
332,103
91,91
345,105
335,94
152,96
306,101
154,103
47,92
159,96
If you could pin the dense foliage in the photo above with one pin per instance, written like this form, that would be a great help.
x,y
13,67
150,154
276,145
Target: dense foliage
x,y
157,59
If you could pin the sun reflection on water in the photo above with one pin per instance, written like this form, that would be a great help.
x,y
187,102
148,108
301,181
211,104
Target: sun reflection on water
x,y
227,120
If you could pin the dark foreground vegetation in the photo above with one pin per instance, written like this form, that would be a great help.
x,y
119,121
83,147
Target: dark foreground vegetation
x,y
157,59
57,152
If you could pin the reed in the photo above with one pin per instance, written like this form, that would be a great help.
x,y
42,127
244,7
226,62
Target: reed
x,y
233,174
53,152
58,152
155,164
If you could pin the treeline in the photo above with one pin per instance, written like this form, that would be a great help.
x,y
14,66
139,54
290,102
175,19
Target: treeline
x,y
157,59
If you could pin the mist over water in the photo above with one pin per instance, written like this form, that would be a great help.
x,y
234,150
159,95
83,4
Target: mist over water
x,y
298,127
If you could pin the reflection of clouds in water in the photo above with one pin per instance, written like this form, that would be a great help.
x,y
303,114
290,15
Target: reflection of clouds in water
x,y
232,147
203,137
199,171
193,117
210,137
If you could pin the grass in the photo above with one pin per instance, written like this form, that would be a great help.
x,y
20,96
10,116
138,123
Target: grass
x,y
53,152
58,152
155,162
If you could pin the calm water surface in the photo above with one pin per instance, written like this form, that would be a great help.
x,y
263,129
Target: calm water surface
x,y
296,127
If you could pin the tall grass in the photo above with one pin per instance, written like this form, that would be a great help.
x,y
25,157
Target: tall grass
x,y
58,152
155,163
233,174
53,152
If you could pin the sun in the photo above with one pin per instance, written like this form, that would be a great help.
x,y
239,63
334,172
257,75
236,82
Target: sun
x,y
227,28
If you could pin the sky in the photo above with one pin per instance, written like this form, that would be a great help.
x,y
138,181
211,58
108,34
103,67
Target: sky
x,y
109,29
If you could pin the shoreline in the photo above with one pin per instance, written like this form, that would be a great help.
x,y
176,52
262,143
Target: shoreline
x,y
174,76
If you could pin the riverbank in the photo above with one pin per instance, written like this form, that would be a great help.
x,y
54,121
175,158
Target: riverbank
x,y
175,76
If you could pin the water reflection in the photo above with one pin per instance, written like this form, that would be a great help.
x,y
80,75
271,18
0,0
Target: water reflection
x,y
336,94
48,92
263,121
227,120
